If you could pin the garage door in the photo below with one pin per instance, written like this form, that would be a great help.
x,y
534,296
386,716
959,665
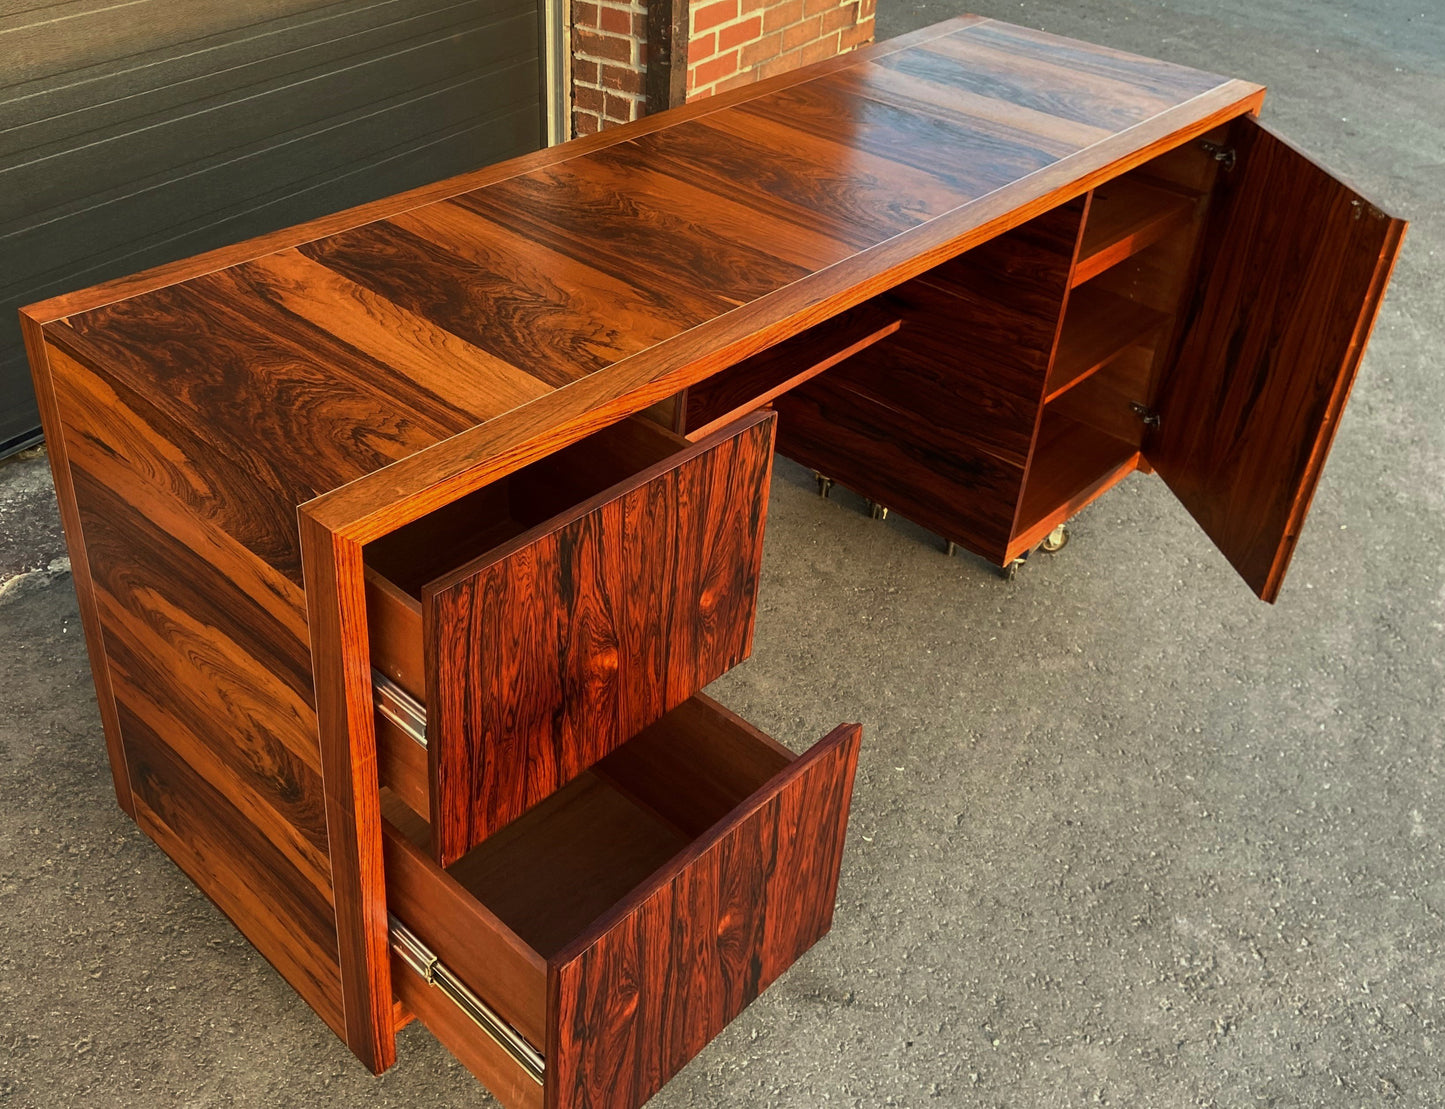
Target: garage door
x,y
134,132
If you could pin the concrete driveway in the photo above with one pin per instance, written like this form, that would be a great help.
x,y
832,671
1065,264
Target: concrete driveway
x,y
1122,835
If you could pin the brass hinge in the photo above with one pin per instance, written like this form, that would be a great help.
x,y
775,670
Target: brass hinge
x,y
1145,413
399,706
426,963
1224,155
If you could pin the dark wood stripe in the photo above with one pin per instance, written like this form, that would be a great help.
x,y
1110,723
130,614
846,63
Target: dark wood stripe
x,y
802,242
860,201
923,86
672,259
467,379
146,568
1040,80
971,159
512,306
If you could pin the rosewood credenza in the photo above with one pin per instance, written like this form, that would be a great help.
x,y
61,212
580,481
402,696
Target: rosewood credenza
x,y
405,540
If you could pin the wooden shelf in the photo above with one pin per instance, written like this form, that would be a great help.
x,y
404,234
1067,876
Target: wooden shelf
x,y
1098,327
1072,464
1126,216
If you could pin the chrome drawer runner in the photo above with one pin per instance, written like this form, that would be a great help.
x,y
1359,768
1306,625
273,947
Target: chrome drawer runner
x,y
399,706
425,962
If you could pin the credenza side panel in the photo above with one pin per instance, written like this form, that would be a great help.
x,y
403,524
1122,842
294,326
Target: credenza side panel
x,y
205,649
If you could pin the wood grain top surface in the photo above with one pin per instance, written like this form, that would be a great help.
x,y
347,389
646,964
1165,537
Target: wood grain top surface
x,y
396,356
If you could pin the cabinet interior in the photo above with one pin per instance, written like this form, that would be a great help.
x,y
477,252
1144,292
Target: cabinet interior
x,y
999,393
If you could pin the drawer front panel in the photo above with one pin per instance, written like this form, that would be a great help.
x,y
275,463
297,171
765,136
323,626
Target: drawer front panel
x,y
570,640
665,972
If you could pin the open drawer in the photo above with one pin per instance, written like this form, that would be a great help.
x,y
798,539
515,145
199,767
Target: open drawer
x,y
582,955
523,632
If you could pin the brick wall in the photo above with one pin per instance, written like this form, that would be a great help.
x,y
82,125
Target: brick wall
x,y
731,43
736,42
609,55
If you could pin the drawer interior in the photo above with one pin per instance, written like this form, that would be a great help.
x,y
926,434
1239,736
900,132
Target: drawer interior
x,y
468,529
556,870
619,925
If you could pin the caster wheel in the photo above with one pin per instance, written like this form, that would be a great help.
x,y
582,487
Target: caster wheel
x,y
1056,540
825,484
877,511
1011,571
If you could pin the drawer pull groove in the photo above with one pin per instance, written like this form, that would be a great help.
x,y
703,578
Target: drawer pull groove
x,y
426,963
399,706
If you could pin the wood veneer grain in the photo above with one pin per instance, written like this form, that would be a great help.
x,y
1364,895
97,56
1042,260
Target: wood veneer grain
x,y
558,647
1296,264
656,979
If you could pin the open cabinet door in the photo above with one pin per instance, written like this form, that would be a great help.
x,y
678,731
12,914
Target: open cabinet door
x,y
1294,266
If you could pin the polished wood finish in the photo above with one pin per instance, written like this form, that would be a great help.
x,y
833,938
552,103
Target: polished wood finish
x,y
668,968
756,381
275,447
1296,267
683,921
1128,215
937,422
1098,327
547,653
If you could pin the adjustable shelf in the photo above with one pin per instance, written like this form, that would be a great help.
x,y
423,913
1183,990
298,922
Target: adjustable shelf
x,y
1128,215
1098,327
1073,462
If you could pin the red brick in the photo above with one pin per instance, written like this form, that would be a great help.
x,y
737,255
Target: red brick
x,y
853,37
616,20
620,108
782,15
584,14
584,72
621,78
701,94
760,51
601,46
715,69
584,124
814,7
704,46
867,7
588,99
710,15
748,6
737,80
801,33
826,47
839,18
739,33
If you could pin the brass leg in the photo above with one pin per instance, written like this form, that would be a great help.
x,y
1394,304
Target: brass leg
x,y
824,484
877,511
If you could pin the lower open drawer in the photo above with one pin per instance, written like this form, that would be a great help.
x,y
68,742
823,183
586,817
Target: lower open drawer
x,y
583,954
